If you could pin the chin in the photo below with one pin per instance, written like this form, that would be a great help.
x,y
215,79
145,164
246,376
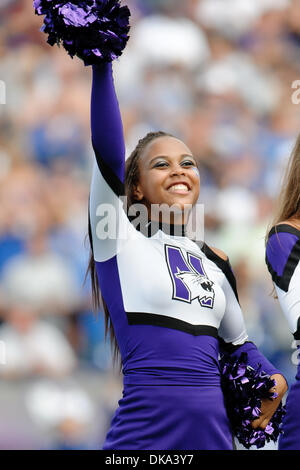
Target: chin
x,y
181,203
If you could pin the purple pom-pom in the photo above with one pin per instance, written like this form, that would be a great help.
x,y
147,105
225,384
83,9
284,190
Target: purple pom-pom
x,y
94,30
244,388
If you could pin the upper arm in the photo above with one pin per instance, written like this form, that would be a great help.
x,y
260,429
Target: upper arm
x,y
282,259
232,327
110,227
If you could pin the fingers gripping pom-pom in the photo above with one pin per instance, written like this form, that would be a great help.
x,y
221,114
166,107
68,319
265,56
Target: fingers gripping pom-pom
x,y
244,388
96,31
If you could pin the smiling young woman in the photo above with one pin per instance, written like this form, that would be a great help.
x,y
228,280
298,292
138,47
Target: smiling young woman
x,y
167,299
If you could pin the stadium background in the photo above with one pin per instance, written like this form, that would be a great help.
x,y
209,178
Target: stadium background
x,y
216,73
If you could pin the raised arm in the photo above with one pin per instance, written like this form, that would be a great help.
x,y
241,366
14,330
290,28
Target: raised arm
x,y
97,33
106,125
110,228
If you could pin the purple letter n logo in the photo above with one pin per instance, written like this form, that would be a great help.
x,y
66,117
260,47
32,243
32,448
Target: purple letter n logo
x,y
188,278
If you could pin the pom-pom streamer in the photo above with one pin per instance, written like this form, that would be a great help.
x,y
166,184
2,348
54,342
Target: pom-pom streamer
x,y
94,30
244,389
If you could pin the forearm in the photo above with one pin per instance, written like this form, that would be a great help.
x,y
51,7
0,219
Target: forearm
x,y
106,122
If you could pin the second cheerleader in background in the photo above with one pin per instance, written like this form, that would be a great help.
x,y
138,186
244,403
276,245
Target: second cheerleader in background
x,y
282,258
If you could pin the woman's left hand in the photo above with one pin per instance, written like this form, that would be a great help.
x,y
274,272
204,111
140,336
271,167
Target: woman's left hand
x,y
268,406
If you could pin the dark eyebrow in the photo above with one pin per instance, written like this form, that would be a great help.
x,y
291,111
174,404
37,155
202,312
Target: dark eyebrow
x,y
166,157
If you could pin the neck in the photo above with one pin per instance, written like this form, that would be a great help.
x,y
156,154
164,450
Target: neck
x,y
175,228
169,217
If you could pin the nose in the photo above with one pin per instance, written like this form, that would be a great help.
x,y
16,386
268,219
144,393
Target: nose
x,y
177,170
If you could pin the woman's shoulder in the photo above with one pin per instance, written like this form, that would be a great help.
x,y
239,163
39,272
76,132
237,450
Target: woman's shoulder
x,y
219,253
285,227
282,238
283,252
214,253
221,260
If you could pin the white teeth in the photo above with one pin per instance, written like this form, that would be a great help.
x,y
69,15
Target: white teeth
x,y
180,187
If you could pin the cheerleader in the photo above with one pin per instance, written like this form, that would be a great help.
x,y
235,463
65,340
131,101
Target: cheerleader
x,y
168,340
282,259
168,299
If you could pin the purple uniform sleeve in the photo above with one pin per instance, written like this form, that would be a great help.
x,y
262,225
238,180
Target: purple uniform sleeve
x,y
106,124
282,259
283,254
255,357
107,184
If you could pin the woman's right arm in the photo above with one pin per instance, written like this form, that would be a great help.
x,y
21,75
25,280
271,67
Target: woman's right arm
x,y
110,228
109,225
106,124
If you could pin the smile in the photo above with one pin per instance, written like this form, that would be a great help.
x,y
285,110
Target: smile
x,y
179,188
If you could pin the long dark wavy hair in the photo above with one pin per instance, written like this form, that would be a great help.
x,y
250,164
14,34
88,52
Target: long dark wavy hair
x,y
131,181
287,205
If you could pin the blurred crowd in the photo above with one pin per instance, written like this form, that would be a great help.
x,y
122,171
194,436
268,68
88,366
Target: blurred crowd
x,y
216,73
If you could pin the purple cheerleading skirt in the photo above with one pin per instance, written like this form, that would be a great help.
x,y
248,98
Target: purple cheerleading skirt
x,y
173,409
290,439
170,417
